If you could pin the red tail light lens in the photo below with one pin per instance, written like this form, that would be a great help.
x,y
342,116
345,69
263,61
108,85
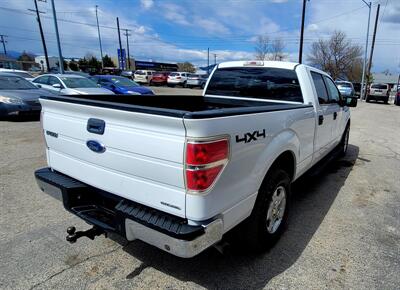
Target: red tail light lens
x,y
204,163
200,180
204,153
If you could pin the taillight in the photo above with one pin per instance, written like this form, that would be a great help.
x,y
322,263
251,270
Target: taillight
x,y
205,160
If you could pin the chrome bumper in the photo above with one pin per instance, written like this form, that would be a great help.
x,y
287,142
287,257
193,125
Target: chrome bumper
x,y
181,248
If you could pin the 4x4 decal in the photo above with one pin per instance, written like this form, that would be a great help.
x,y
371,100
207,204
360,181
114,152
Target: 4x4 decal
x,y
248,137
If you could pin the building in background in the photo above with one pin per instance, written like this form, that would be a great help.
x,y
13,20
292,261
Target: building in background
x,y
41,60
10,62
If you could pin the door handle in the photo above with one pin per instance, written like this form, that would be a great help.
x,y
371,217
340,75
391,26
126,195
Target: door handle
x,y
320,119
334,115
96,126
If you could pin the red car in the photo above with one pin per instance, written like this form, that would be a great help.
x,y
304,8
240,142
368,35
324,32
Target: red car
x,y
159,78
397,98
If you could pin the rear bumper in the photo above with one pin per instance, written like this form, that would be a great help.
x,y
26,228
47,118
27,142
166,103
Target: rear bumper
x,y
129,219
378,97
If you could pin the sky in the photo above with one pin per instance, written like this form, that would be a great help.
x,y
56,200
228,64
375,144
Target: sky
x,y
182,30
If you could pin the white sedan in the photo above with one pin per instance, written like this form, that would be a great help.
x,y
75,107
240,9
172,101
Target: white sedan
x,y
68,84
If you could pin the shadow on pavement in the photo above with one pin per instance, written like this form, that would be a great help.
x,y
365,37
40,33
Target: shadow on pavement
x,y
22,118
312,199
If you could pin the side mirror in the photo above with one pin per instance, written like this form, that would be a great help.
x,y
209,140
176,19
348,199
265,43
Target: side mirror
x,y
39,86
57,86
350,101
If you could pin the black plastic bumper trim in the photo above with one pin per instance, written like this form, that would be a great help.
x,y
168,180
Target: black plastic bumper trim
x,y
109,211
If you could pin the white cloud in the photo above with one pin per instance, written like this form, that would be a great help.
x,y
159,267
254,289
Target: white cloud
x,y
174,13
279,1
146,4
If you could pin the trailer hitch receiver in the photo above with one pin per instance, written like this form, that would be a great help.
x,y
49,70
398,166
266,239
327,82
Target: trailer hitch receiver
x,y
73,235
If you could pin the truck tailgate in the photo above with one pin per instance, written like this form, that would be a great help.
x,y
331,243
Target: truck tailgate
x,y
143,157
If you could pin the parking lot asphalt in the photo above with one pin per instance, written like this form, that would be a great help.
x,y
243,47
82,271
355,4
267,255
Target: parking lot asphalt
x,y
344,227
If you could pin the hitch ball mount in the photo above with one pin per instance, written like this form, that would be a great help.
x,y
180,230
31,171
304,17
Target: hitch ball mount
x,y
73,235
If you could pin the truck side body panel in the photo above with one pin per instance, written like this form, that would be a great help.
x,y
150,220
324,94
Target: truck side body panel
x,y
273,133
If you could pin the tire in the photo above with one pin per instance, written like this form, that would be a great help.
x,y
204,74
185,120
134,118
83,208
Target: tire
x,y
386,101
344,142
263,228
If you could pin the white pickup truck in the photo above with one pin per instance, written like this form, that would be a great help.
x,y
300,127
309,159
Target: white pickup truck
x,y
178,172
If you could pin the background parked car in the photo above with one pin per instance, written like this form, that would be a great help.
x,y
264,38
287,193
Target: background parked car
x,y
17,72
128,74
143,76
195,80
19,96
378,92
121,85
345,88
397,97
67,84
357,89
177,78
159,78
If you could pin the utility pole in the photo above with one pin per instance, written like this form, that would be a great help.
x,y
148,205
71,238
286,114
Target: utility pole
x,y
98,32
127,34
215,58
366,52
208,60
302,32
372,47
120,44
36,10
3,42
60,58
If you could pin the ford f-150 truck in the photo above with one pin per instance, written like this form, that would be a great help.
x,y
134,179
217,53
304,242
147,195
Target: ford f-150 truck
x,y
178,172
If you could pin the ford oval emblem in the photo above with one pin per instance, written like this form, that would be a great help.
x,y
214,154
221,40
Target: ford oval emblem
x,y
95,146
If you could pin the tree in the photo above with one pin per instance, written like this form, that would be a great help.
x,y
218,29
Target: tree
x,y
265,49
64,63
337,55
26,57
277,47
186,67
107,61
89,64
73,65
83,64
262,47
94,64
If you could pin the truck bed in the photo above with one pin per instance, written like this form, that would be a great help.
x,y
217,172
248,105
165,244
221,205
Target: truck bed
x,y
181,106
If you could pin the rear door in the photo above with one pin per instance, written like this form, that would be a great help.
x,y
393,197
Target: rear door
x,y
323,137
142,158
337,117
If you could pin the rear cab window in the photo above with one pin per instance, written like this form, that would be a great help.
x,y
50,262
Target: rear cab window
x,y
259,83
379,86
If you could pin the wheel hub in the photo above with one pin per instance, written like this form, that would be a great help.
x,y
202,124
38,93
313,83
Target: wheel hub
x,y
276,209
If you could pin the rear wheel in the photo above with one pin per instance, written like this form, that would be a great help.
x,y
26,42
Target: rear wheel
x,y
270,214
386,100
